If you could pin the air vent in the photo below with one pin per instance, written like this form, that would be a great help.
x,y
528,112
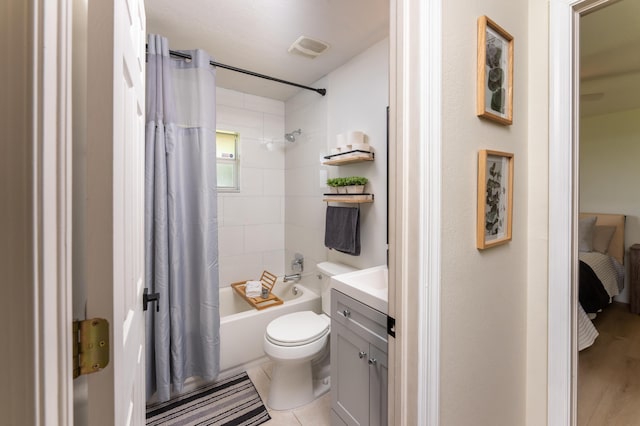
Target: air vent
x,y
308,47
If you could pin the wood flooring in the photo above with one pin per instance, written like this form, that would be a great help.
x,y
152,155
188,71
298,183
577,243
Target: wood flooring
x,y
609,371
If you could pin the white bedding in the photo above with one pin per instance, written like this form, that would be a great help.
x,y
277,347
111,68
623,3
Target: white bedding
x,y
611,273
587,333
605,268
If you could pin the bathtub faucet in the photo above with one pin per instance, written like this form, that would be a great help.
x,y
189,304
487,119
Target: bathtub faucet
x,y
292,277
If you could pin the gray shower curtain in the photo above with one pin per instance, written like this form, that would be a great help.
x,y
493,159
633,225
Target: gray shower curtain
x,y
181,225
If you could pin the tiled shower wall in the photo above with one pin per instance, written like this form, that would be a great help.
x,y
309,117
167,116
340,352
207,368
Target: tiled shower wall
x,y
251,221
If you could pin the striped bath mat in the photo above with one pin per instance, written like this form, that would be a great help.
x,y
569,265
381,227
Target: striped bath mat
x,y
230,402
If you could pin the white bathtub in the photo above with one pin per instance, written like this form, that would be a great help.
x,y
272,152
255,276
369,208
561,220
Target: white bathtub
x,y
242,327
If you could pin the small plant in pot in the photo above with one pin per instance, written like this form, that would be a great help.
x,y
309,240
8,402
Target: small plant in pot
x,y
332,183
347,185
355,184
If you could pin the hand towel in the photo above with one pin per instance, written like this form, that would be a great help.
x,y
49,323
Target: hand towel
x,y
342,229
253,289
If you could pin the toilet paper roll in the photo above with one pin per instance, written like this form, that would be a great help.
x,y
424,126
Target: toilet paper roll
x,y
355,138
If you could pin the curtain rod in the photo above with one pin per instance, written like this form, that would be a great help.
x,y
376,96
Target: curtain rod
x,y
255,74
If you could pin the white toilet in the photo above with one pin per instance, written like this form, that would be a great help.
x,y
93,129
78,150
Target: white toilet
x,y
298,344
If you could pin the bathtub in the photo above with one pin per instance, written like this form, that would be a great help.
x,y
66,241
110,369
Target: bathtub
x,y
242,327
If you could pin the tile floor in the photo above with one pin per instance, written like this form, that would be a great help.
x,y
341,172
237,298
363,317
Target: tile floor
x,y
317,413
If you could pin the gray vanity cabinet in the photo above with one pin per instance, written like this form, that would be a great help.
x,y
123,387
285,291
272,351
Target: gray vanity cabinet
x,y
358,363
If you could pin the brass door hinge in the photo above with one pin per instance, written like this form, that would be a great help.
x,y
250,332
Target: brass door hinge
x,y
90,346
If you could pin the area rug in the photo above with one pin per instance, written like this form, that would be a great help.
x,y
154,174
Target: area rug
x,y
230,402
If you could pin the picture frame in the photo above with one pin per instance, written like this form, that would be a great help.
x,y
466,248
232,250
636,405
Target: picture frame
x,y
495,72
495,198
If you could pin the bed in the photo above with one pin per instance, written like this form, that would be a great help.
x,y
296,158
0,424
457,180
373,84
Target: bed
x,y
601,268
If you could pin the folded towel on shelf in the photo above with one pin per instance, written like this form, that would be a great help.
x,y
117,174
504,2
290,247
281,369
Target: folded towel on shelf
x,y
342,229
253,288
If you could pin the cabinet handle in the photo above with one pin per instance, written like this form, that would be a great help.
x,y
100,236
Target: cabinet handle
x,y
346,313
362,354
372,361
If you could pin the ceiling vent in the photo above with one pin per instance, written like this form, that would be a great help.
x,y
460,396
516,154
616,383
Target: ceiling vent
x,y
308,47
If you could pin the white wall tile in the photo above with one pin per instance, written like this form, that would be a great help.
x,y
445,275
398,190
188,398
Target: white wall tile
x,y
261,238
308,212
274,127
309,242
239,117
307,153
255,154
242,267
274,261
230,240
262,104
220,210
228,97
303,181
251,181
273,182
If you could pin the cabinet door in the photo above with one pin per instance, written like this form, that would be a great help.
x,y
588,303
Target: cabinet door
x,y
349,376
377,386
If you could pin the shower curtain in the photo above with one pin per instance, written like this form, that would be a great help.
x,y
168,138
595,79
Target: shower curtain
x,y
181,229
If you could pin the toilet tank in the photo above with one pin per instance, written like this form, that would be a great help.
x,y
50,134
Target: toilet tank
x,y
329,269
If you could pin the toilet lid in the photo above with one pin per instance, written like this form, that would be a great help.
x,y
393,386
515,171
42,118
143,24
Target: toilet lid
x,y
297,328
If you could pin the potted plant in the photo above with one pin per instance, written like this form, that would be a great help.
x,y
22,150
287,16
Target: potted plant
x,y
347,185
355,184
332,183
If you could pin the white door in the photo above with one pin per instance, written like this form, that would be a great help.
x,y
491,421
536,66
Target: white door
x,y
115,205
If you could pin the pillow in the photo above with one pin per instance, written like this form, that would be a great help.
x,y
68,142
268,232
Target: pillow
x,y
602,236
585,233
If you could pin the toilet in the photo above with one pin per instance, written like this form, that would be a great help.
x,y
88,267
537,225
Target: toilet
x,y
298,345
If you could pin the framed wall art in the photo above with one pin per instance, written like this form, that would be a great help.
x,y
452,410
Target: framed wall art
x,y
495,198
495,72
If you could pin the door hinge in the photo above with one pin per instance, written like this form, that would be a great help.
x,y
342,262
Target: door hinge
x,y
90,346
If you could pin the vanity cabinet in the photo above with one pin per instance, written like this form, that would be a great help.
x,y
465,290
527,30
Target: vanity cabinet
x,y
358,363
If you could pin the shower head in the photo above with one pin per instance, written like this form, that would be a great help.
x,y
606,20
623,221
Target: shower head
x,y
291,137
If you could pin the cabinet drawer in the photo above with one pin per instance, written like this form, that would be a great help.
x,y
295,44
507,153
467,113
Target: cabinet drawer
x,y
358,317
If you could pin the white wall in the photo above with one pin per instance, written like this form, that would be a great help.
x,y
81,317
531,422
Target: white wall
x,y
18,395
251,221
484,293
609,172
538,212
357,97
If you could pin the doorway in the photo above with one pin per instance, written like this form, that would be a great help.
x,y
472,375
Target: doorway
x,y
564,206
609,113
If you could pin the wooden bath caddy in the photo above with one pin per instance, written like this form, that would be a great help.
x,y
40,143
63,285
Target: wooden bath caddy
x,y
268,281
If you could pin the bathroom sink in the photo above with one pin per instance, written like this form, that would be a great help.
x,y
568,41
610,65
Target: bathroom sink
x,y
369,286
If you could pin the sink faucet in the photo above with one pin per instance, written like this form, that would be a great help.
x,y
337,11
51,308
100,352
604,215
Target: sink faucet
x,y
291,277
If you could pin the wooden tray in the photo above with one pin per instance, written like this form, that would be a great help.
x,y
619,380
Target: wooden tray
x,y
268,281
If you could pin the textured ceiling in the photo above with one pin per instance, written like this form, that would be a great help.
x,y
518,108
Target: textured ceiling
x,y
255,35
610,58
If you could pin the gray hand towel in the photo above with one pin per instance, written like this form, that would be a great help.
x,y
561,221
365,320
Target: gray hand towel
x,y
342,229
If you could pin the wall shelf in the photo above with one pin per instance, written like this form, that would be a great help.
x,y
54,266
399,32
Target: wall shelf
x,y
348,198
356,156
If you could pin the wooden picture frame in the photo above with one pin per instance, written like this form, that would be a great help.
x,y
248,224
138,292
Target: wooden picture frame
x,y
495,198
495,72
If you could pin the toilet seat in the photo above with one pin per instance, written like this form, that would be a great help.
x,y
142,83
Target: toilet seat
x,y
298,328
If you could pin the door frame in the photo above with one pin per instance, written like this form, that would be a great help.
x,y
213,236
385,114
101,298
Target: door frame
x,y
50,52
416,90
415,164
564,25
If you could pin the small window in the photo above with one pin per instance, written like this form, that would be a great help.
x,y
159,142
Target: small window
x,y
227,160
